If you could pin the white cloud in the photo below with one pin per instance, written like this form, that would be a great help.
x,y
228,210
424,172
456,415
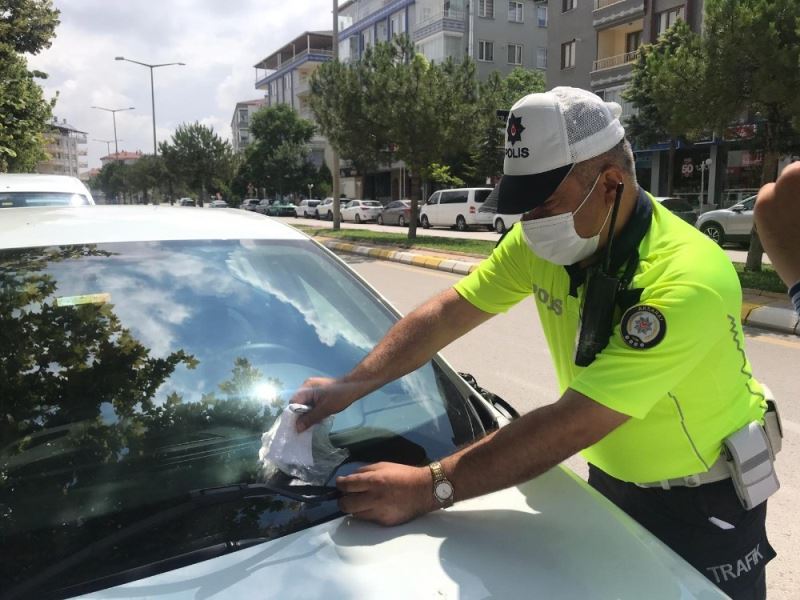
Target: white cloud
x,y
219,41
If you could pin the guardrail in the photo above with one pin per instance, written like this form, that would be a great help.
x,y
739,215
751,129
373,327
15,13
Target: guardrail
x,y
615,61
598,4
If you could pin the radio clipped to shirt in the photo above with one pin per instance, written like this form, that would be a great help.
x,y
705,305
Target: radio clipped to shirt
x,y
750,454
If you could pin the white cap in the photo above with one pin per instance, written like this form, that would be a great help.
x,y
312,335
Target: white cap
x,y
546,134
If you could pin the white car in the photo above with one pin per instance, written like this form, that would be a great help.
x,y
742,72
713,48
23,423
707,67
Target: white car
x,y
250,204
732,224
359,211
306,208
29,189
218,204
167,341
454,208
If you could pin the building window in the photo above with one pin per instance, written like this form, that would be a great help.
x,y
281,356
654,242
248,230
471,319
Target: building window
x,y
568,5
667,19
397,24
541,15
486,8
243,116
383,31
541,58
568,55
515,12
485,51
633,40
514,54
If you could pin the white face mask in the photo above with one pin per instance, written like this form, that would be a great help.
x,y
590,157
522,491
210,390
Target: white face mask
x,y
555,240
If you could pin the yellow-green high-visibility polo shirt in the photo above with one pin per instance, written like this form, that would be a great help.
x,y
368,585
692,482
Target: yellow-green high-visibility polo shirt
x,y
675,361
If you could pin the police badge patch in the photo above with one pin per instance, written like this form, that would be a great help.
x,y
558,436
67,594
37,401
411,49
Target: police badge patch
x,y
643,327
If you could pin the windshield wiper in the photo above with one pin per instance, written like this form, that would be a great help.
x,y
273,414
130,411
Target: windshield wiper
x,y
194,499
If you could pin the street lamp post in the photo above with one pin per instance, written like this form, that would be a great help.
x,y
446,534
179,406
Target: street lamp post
x,y
114,112
152,89
107,143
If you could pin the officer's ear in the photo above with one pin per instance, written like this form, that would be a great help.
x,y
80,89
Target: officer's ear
x,y
610,178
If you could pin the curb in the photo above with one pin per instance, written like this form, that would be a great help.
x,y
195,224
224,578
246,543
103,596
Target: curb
x,y
762,314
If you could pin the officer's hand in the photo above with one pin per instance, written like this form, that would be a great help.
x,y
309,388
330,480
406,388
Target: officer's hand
x,y
325,396
777,215
387,493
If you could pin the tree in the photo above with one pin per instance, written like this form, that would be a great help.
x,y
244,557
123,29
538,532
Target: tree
x,y
112,180
148,174
26,27
667,84
753,53
198,158
279,157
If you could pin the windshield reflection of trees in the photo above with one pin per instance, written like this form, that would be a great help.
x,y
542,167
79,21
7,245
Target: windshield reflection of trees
x,y
82,434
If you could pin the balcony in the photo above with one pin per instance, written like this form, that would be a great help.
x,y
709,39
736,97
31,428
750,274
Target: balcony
x,y
608,13
450,19
310,55
613,70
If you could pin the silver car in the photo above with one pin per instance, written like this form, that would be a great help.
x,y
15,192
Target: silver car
x,y
732,224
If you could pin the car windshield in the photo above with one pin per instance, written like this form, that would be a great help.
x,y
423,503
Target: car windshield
x,y
27,199
132,373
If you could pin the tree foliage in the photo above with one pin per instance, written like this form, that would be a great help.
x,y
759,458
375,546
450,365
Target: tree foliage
x,y
198,157
668,81
26,26
278,159
147,175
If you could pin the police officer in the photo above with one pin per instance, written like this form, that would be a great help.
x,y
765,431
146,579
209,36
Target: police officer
x,y
651,410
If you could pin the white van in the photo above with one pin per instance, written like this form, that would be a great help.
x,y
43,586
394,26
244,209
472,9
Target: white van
x,y
32,189
455,208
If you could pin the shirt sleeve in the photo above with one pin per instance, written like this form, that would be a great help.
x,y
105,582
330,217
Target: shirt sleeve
x,y
655,344
503,279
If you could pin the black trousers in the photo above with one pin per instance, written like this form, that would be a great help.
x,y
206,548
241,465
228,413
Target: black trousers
x,y
732,556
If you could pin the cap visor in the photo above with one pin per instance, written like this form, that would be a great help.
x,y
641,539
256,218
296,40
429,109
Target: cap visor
x,y
517,194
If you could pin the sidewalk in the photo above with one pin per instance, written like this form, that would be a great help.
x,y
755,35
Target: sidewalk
x,y
765,310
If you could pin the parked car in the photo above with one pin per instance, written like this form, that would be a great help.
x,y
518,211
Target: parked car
x,y
263,206
501,223
250,203
186,202
218,204
130,464
679,207
324,210
306,207
281,208
454,208
19,190
396,213
361,210
732,224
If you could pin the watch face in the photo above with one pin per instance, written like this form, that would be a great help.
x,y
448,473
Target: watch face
x,y
443,490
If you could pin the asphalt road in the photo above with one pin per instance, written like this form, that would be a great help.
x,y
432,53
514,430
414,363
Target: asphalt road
x,y
508,356
736,253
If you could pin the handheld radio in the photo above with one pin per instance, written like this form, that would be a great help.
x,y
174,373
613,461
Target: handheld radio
x,y
600,300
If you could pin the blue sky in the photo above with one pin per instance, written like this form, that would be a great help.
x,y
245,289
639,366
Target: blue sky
x,y
219,40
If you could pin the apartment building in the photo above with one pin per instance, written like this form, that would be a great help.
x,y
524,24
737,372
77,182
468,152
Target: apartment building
x,y
240,122
284,76
66,150
498,34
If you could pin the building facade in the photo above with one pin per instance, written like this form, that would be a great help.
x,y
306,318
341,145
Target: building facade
x,y
127,158
66,150
240,122
285,76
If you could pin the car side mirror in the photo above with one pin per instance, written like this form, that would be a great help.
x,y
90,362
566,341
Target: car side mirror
x,y
737,209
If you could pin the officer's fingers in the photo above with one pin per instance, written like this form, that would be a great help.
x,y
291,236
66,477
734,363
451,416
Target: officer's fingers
x,y
351,484
312,417
357,503
787,187
306,393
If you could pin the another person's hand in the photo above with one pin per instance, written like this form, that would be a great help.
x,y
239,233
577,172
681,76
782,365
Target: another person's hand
x,y
325,396
777,216
387,493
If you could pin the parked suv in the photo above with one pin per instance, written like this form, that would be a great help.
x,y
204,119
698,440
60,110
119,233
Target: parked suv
x,y
732,224
249,204
454,208
324,209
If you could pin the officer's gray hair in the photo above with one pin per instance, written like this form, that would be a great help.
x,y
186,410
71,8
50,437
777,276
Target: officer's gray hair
x,y
620,156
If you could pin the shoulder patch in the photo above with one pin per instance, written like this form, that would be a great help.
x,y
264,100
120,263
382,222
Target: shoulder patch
x,y
643,327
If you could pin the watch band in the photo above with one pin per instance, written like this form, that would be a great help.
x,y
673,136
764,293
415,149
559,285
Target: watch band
x,y
442,487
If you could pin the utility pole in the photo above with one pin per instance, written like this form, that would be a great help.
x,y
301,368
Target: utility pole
x,y
337,215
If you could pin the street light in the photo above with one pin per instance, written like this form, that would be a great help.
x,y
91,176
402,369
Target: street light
x,y
114,112
107,143
152,91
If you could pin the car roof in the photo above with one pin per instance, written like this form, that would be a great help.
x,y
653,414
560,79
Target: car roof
x,y
48,226
31,182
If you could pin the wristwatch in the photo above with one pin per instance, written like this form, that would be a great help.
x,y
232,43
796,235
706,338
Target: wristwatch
x,y
442,488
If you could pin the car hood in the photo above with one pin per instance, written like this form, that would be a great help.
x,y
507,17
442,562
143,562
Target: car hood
x,y
550,538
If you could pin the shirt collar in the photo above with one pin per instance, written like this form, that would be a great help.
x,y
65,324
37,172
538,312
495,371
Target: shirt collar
x,y
625,244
